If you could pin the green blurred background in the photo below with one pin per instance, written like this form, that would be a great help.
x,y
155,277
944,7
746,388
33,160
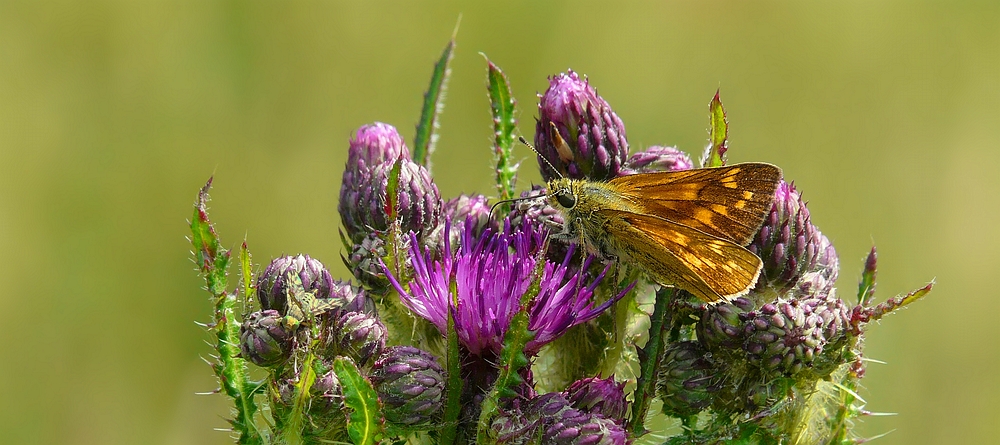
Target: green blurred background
x,y
112,115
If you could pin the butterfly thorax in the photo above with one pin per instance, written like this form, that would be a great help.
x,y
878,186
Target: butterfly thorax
x,y
580,203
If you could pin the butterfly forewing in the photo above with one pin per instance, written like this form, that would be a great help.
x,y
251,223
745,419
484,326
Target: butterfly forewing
x,y
727,202
707,266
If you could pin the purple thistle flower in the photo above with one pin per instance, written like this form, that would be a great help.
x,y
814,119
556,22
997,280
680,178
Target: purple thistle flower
x,y
491,274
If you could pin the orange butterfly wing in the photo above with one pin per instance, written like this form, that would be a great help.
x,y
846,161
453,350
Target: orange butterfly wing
x,y
674,254
726,202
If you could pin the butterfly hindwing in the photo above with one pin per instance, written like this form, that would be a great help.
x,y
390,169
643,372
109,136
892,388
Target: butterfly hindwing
x,y
709,267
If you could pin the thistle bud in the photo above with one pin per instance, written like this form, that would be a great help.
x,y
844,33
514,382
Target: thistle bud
x,y
686,381
577,132
564,425
356,335
512,427
657,159
791,246
364,197
602,396
721,326
789,336
374,144
410,384
273,285
266,339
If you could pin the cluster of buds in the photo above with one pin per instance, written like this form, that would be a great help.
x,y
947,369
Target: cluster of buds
x,y
306,313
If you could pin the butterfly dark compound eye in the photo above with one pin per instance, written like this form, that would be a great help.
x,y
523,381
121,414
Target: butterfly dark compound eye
x,y
566,199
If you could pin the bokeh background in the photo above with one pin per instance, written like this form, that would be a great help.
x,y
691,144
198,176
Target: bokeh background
x,y
112,115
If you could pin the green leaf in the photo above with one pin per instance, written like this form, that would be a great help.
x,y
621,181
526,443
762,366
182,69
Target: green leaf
x,y
866,288
891,305
246,272
715,155
504,125
295,421
426,137
211,258
392,190
364,421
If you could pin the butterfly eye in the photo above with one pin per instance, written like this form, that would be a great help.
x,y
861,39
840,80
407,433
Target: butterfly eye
x,y
566,199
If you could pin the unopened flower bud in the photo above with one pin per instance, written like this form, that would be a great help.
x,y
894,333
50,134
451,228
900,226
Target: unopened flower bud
x,y
721,326
356,335
410,384
364,201
577,132
266,339
563,424
326,415
365,262
789,337
791,246
468,209
273,285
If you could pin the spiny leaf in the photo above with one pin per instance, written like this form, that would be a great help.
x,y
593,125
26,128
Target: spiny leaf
x,y
866,288
715,154
246,272
212,259
504,125
426,137
364,421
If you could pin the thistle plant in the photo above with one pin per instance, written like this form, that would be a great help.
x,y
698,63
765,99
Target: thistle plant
x,y
470,323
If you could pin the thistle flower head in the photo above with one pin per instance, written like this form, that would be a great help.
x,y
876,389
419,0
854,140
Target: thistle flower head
x,y
364,189
563,424
410,384
491,274
536,211
356,335
273,285
364,203
721,326
657,159
792,247
787,337
577,132
265,338
326,402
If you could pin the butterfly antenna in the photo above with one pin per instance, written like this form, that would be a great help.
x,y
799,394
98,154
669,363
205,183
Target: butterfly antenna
x,y
523,198
540,156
